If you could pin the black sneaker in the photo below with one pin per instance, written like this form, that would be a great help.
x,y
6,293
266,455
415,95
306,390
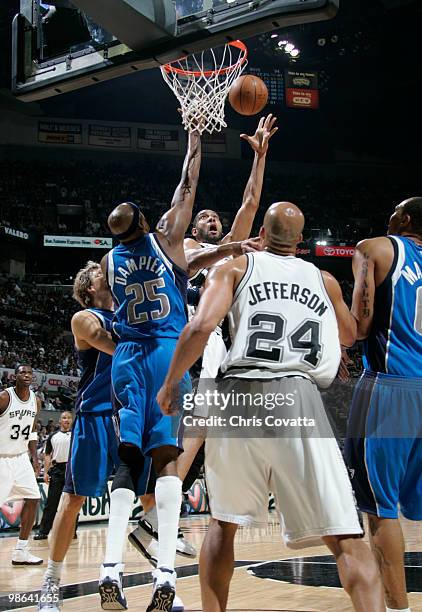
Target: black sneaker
x,y
40,536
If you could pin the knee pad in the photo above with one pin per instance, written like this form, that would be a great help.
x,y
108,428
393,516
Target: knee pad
x,y
130,468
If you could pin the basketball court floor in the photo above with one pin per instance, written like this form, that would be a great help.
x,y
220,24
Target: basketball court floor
x,y
268,578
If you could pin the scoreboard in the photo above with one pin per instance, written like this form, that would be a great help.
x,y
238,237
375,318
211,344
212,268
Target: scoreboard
x,y
274,80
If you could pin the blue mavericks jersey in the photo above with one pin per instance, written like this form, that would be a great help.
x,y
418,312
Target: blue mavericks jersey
x,y
148,289
94,391
394,345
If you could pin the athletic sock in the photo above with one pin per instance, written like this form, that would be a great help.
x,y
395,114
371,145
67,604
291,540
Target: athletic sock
x,y
54,569
398,610
21,544
152,518
121,501
168,495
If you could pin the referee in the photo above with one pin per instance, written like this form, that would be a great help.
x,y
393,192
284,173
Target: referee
x,y
56,455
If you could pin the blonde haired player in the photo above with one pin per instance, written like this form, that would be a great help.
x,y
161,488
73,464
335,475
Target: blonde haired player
x,y
287,320
18,410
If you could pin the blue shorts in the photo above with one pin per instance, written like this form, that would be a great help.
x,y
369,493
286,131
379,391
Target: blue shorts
x,y
383,449
93,454
137,373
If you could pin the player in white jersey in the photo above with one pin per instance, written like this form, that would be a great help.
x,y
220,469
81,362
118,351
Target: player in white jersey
x,y
287,320
18,410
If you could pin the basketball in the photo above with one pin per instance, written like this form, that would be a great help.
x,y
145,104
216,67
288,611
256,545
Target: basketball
x,y
248,95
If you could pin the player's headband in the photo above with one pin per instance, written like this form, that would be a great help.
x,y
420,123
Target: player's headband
x,y
134,224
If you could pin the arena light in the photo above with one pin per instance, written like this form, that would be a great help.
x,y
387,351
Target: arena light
x,y
289,47
274,36
294,52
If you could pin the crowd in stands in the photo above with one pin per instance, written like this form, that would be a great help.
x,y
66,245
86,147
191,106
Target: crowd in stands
x,y
35,327
39,196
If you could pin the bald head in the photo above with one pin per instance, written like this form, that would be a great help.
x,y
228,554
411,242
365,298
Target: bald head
x,y
126,222
283,225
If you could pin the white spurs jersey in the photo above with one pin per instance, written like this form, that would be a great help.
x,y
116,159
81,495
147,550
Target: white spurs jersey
x,y
282,322
16,423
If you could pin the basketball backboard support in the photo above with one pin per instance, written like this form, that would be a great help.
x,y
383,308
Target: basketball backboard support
x,y
118,37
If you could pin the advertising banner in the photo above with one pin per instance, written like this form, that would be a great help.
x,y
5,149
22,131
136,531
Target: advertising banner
x,y
116,137
78,242
50,382
334,251
301,89
13,233
158,140
55,132
97,508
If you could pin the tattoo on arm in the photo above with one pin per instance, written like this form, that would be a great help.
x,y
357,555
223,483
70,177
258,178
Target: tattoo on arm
x,y
186,178
366,312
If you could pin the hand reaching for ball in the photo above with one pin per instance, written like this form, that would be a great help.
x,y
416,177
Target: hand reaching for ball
x,y
264,131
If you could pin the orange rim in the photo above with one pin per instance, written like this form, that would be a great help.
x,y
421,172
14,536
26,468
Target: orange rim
x,y
197,73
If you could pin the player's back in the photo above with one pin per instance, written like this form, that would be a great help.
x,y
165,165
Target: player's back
x,y
149,291
94,390
282,322
394,345
16,423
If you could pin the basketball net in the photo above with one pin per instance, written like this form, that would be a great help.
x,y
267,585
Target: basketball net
x,y
201,83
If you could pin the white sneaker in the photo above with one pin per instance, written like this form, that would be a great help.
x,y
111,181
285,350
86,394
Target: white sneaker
x,y
110,587
22,556
164,590
50,596
177,605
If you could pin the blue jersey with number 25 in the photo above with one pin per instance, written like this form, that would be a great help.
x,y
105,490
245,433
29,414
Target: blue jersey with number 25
x,y
148,289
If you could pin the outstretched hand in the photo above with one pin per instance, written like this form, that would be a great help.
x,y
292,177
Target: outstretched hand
x,y
264,131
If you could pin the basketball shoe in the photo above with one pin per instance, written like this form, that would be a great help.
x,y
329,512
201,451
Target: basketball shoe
x,y
110,587
145,539
49,600
22,556
164,590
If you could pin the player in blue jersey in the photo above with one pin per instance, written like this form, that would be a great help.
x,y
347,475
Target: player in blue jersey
x,y
147,276
384,445
93,453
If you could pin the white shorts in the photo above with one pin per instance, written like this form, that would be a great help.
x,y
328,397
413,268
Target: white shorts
x,y
17,479
214,354
307,475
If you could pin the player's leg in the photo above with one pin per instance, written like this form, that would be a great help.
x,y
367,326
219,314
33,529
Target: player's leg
x,y
145,537
216,565
60,540
55,488
386,471
387,543
129,400
25,487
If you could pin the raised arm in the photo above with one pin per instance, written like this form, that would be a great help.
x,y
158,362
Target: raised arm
x,y
345,321
242,224
213,307
175,222
89,333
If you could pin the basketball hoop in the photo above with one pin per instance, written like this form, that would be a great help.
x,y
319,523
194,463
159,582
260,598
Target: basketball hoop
x,y
201,84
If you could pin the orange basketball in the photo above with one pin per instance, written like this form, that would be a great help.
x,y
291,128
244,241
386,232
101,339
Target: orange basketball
x,y
248,95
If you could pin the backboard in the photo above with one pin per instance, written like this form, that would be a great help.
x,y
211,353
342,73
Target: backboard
x,y
59,46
